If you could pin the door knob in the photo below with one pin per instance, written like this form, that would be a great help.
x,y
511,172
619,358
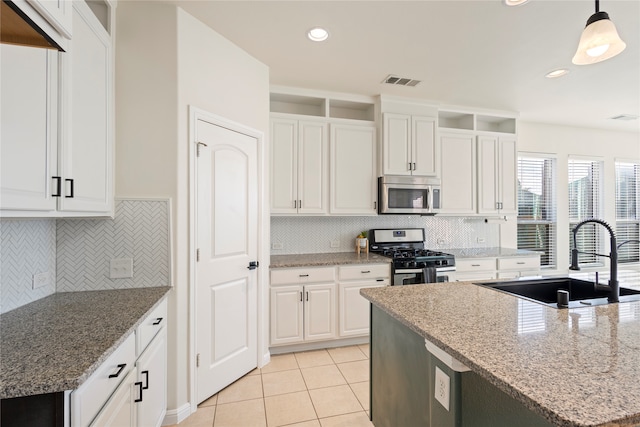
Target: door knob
x,y
253,265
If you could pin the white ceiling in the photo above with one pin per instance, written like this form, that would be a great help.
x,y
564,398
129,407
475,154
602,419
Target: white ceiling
x,y
479,54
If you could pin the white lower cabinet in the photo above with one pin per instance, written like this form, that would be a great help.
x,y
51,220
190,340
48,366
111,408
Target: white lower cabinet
x,y
129,389
468,269
309,304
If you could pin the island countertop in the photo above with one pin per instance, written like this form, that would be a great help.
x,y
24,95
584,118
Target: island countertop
x,y
54,344
575,367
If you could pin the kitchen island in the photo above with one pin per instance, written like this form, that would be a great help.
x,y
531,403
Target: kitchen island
x,y
527,364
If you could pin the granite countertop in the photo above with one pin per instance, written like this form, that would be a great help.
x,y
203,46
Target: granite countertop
x,y
326,259
575,367
489,252
54,344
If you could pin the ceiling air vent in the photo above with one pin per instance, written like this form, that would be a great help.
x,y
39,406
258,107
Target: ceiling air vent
x,y
625,117
400,81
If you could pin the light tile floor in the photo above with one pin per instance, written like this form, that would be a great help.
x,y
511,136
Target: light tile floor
x,y
321,388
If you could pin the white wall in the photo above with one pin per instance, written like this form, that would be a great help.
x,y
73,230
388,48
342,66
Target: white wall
x,y
164,65
565,141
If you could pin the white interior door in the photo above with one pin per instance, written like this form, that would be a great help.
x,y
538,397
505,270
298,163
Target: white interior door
x,y
227,241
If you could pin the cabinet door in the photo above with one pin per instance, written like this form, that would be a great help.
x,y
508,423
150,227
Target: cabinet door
x,y
396,143
57,12
353,170
312,168
354,308
458,174
507,184
488,175
319,312
120,409
284,166
28,123
87,145
286,314
152,372
423,146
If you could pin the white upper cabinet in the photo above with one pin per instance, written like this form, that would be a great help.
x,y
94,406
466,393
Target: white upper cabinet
x,y
28,126
353,170
497,175
59,129
323,155
458,175
299,167
57,13
409,145
478,170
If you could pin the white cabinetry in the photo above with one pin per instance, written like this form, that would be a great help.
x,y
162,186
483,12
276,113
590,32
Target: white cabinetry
x,y
491,268
408,145
303,305
354,308
314,172
478,163
299,166
53,17
353,170
67,169
28,126
458,174
129,388
497,175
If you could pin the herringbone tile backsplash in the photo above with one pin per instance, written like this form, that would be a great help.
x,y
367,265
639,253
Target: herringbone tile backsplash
x,y
76,252
27,247
302,235
139,230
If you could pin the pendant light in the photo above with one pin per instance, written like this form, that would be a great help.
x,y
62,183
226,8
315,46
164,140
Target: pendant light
x,y
599,40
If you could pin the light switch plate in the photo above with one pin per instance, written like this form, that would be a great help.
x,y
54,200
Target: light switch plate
x,y
335,243
121,268
40,280
443,383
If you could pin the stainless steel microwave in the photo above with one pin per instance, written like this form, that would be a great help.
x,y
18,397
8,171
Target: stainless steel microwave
x,y
408,195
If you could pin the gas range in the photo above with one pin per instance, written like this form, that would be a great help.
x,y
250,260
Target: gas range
x,y
412,263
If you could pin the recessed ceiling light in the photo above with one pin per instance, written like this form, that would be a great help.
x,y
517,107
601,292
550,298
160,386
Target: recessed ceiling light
x,y
557,73
515,2
318,34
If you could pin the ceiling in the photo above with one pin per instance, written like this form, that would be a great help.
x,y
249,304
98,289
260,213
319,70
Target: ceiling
x,y
479,54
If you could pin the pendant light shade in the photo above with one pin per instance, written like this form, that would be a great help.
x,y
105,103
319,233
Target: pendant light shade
x,y
599,40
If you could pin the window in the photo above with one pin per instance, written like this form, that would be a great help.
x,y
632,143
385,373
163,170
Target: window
x,y
628,210
537,207
584,203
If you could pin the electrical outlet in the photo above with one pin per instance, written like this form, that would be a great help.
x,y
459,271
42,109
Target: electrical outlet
x,y
121,268
441,241
481,240
40,279
335,243
277,245
443,383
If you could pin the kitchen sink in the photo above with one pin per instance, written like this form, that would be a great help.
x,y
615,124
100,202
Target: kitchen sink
x,y
544,291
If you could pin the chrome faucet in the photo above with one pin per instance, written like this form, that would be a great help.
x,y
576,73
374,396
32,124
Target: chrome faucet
x,y
614,286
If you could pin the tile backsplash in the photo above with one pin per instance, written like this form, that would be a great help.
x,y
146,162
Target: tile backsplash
x,y
27,247
75,253
139,230
300,235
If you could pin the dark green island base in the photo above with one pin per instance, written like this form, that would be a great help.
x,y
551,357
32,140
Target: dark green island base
x,y
403,386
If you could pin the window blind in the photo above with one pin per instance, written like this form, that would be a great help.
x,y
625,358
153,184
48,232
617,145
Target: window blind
x,y
584,203
628,210
537,207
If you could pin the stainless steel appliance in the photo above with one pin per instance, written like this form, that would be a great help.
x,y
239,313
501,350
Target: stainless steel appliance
x,y
408,195
412,263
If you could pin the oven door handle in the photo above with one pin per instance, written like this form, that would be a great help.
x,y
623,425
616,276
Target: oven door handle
x,y
408,270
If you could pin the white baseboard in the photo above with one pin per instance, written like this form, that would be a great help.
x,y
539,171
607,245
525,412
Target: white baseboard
x,y
175,416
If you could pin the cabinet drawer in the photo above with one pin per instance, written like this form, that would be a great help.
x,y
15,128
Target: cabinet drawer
x,y
519,263
363,271
89,398
475,264
287,276
150,326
